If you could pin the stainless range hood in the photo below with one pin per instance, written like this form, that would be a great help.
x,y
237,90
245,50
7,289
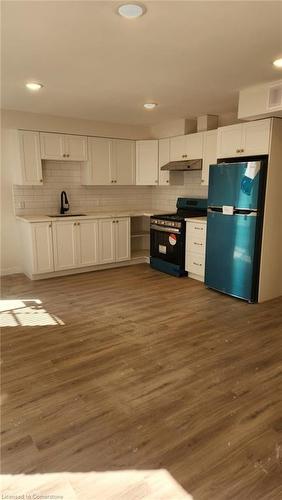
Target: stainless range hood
x,y
183,165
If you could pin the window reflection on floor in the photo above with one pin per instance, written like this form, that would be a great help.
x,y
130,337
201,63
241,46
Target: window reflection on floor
x,y
26,312
109,485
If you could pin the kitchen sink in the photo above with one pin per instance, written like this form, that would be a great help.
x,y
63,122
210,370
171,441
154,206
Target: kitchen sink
x,y
67,215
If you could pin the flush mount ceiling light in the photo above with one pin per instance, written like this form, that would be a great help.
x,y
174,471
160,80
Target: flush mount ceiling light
x,y
150,105
131,10
278,63
33,86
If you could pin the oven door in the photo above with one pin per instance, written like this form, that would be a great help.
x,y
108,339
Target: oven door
x,y
168,244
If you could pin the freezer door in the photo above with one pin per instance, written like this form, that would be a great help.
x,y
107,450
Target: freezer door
x,y
231,254
229,184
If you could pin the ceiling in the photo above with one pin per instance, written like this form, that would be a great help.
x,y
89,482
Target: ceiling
x,y
190,57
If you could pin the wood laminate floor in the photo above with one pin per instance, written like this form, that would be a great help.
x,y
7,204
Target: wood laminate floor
x,y
141,370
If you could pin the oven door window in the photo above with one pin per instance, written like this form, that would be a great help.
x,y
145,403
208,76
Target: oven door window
x,y
166,246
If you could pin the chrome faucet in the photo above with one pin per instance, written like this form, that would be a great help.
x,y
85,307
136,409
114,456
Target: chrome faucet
x,y
64,203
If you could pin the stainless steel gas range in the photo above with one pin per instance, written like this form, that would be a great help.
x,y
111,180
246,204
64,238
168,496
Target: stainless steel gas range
x,y
167,236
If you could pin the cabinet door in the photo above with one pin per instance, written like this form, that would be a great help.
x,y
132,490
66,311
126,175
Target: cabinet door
x,y
106,241
209,154
76,147
124,162
64,243
52,146
163,159
30,160
98,170
42,247
256,137
229,141
178,148
122,239
195,145
87,242
147,162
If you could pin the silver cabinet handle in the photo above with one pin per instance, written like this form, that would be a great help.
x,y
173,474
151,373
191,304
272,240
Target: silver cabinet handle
x,y
199,244
197,264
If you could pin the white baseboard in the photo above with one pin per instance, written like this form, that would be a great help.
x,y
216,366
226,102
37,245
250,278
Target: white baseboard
x,y
10,270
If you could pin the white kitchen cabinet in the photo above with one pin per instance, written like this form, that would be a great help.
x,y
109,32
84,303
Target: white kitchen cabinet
x,y
209,154
75,147
178,148
147,162
244,139
110,161
63,147
97,170
195,144
164,156
123,167
65,247
23,150
52,146
229,141
36,247
122,239
107,248
114,238
42,247
256,137
195,248
186,147
75,243
87,242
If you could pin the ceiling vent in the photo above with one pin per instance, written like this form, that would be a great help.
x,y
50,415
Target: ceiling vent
x,y
261,101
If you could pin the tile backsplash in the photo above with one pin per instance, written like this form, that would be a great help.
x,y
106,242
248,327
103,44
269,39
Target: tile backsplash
x,y
59,176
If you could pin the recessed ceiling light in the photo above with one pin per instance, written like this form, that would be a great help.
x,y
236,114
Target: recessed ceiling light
x,y
278,63
150,105
34,86
131,10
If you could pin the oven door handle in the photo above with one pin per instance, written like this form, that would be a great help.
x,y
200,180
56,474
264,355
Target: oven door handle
x,y
165,229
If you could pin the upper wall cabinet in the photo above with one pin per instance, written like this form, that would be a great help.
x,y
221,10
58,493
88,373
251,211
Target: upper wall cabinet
x,y
147,162
98,169
24,155
186,147
63,147
244,139
123,168
110,161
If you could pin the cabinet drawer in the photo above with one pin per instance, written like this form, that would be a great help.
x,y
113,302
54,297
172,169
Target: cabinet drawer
x,y
196,263
196,231
196,246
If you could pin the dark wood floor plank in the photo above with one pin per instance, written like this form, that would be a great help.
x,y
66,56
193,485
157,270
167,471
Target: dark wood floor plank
x,y
146,371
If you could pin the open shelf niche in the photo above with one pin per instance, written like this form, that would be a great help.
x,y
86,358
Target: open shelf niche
x,y
140,237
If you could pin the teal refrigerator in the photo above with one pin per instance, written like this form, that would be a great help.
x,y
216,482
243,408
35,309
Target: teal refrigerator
x,y
234,227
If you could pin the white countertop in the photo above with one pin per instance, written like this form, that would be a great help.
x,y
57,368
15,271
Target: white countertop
x,y
94,215
197,219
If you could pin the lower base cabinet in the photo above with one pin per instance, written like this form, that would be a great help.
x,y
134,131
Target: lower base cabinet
x,y
68,244
38,247
195,248
114,238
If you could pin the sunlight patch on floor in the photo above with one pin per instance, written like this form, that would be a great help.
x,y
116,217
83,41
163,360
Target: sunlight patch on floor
x,y
26,312
109,485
